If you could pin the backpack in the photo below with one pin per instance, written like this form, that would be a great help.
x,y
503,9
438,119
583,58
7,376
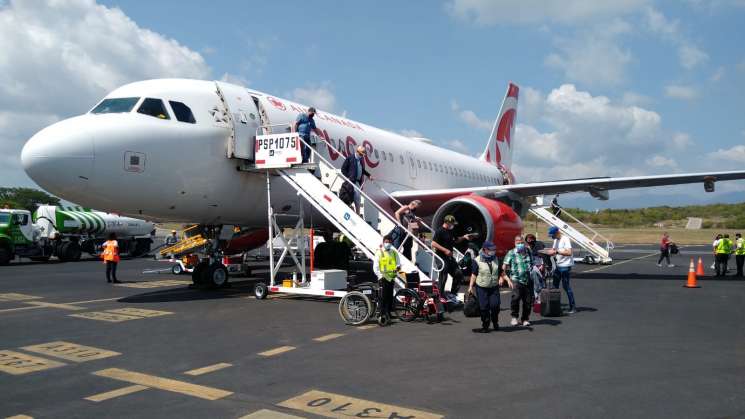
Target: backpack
x,y
346,193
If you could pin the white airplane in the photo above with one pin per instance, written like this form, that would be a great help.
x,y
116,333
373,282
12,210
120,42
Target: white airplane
x,y
165,150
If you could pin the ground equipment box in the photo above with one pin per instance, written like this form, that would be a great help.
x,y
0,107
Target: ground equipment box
x,y
329,279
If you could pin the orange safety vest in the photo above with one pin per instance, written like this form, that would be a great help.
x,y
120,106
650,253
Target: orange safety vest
x,y
110,251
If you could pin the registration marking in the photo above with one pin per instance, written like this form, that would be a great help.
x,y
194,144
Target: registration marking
x,y
70,351
154,284
269,414
116,393
167,384
333,405
208,369
277,351
104,316
328,337
140,312
12,296
53,305
16,363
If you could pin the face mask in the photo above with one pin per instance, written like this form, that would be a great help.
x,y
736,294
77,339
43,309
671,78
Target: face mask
x,y
520,247
387,246
488,256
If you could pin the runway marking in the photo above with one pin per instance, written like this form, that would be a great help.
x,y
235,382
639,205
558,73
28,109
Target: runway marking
x,y
8,310
104,316
12,296
328,337
167,384
367,326
16,363
53,305
619,263
20,417
70,351
116,393
154,284
277,351
208,369
97,301
141,312
269,414
333,405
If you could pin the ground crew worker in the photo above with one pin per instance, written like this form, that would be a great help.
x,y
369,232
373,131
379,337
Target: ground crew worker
x,y
739,253
110,257
485,276
303,125
518,263
723,250
172,239
386,267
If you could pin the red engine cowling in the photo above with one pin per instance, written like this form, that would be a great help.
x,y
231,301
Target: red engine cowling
x,y
493,220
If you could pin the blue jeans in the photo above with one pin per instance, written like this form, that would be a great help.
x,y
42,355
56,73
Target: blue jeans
x,y
538,282
304,149
561,275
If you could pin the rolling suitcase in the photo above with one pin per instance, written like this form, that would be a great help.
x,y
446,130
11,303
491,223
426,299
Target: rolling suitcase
x,y
550,302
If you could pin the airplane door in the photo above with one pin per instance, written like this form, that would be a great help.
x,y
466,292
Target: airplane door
x,y
244,116
412,165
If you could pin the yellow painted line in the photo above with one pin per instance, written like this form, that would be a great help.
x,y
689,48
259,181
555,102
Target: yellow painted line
x,y
619,263
167,384
269,414
13,296
53,305
277,351
20,417
140,312
97,301
104,316
208,369
116,393
332,405
328,337
71,351
16,363
366,327
8,310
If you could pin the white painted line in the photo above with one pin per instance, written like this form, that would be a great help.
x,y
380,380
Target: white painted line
x,y
277,351
327,338
208,369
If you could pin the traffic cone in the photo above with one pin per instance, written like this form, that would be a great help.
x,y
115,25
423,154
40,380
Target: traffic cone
x,y
700,268
691,283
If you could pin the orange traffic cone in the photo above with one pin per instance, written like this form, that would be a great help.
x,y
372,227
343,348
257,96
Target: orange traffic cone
x,y
691,283
700,268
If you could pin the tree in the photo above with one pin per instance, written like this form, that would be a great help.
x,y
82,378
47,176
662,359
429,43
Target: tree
x,y
25,198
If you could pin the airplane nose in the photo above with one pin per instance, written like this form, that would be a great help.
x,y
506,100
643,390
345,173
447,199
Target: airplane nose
x,y
60,158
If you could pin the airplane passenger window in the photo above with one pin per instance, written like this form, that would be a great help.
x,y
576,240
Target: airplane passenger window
x,y
116,105
419,163
390,156
376,154
402,159
182,112
153,107
384,156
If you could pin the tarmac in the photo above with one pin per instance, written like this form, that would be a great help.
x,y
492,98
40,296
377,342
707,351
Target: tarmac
x,y
641,345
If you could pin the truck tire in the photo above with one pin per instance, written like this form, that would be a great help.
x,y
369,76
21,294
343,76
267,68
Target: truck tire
x,y
62,251
73,252
196,275
5,255
216,275
177,269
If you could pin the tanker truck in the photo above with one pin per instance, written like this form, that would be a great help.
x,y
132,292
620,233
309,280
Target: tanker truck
x,y
67,232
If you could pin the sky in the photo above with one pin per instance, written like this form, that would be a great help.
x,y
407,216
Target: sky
x,y
610,88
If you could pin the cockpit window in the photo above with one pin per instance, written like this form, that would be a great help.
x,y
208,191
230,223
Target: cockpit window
x,y
182,112
116,105
153,107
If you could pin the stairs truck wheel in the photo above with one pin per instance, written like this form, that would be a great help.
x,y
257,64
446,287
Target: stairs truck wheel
x,y
216,275
355,308
196,274
177,269
261,290
4,255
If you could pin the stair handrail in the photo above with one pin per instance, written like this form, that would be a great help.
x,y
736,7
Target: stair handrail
x,y
608,243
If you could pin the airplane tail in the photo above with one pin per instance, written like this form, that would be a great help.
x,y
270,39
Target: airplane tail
x,y
499,148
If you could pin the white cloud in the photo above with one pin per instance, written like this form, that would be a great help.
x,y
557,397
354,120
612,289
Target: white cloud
x,y
691,56
487,12
718,74
681,141
320,97
661,161
658,23
677,91
411,133
633,98
234,79
58,58
741,65
470,118
458,146
735,154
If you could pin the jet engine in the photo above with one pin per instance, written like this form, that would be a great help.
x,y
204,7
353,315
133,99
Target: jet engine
x,y
491,219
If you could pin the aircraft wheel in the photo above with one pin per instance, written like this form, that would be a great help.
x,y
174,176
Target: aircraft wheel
x,y
216,275
260,290
196,275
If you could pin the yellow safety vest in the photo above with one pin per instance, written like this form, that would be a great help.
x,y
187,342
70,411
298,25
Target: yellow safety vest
x,y
487,278
724,246
387,264
740,250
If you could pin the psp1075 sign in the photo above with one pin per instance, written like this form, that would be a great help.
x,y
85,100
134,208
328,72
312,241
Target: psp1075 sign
x,y
277,150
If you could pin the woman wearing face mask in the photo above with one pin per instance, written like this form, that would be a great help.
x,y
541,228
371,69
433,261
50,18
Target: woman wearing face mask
x,y
386,266
518,263
485,276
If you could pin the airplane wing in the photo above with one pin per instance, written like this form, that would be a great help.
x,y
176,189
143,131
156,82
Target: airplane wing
x,y
595,186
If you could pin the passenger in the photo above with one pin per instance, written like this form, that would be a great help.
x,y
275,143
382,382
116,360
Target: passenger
x,y
562,250
485,275
739,253
407,217
172,239
386,267
518,263
354,170
722,250
304,124
443,242
555,207
541,267
665,244
110,257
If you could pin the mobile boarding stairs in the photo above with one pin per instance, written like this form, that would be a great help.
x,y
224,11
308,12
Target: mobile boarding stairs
x,y
280,155
596,246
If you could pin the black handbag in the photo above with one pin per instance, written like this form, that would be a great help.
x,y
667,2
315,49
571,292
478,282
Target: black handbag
x,y
471,307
